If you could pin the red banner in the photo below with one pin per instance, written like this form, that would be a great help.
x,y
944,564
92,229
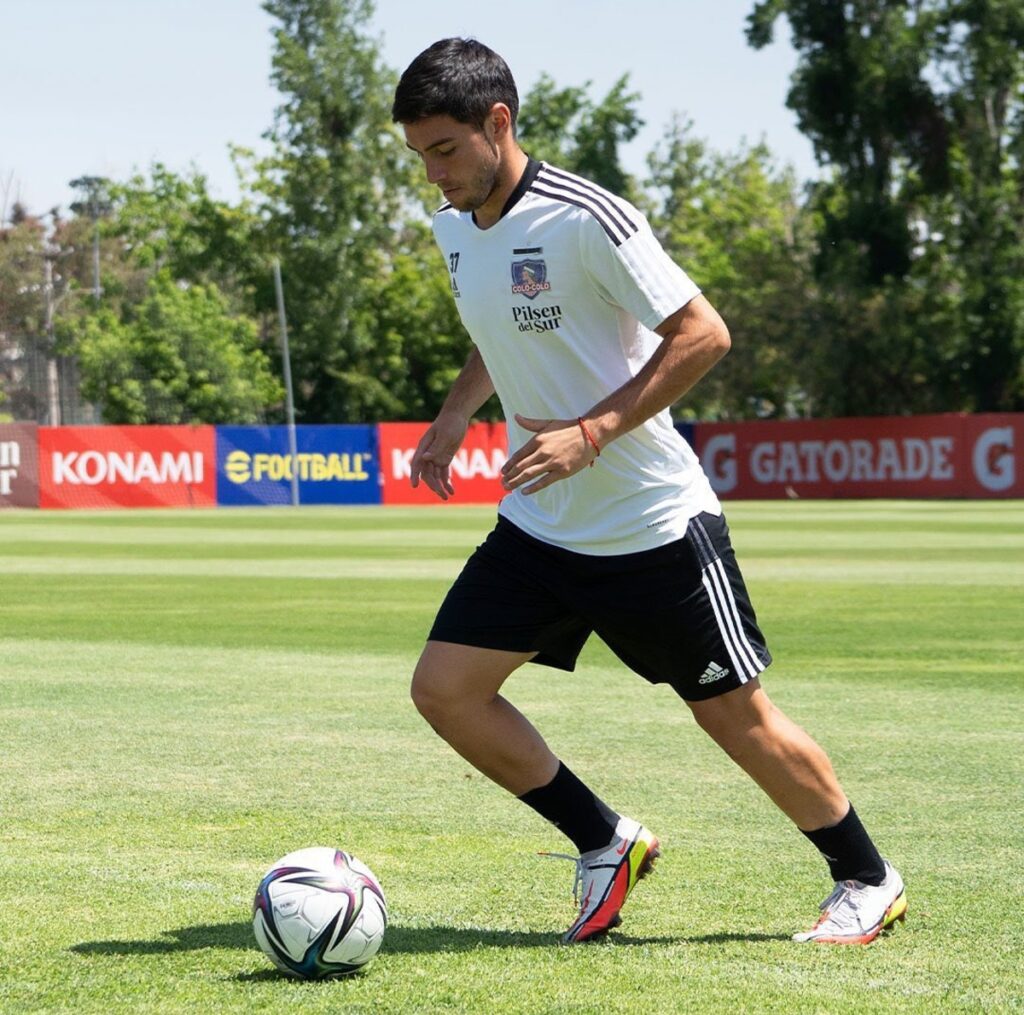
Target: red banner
x,y
919,456
127,466
995,449
475,470
19,465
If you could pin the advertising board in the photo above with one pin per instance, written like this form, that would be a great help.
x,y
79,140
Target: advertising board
x,y
335,464
916,456
19,465
126,466
475,470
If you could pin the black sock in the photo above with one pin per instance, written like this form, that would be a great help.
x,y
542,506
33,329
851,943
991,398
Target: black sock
x,y
574,810
850,853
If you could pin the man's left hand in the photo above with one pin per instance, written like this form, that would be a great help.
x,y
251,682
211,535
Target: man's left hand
x,y
557,450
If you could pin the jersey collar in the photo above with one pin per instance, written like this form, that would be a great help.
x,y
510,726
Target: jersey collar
x,y
524,184
529,175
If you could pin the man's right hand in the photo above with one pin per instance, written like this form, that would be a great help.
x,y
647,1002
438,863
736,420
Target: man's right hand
x,y
432,459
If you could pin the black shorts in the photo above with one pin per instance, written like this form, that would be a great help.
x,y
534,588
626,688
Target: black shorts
x,y
678,614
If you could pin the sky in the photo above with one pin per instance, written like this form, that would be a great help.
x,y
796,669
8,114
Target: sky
x,y
106,87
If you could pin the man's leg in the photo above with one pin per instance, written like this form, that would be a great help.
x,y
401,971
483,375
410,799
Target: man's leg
x,y
798,776
455,688
776,753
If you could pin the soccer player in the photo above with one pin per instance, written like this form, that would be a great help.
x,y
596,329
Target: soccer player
x,y
588,333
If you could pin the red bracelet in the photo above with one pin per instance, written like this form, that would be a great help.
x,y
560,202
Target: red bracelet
x,y
589,437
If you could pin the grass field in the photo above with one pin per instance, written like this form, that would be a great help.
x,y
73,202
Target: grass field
x,y
184,697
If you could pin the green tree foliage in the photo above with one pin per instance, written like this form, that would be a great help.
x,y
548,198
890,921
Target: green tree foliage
x,y
178,356
565,127
734,222
917,107
22,243
170,222
172,338
421,344
38,259
336,197
980,57
860,96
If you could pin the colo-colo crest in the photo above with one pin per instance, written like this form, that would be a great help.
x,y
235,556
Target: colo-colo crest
x,y
530,277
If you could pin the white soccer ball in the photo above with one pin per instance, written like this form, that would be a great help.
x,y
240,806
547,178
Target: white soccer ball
x,y
319,912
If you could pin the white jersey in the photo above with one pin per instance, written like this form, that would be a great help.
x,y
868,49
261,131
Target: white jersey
x,y
561,297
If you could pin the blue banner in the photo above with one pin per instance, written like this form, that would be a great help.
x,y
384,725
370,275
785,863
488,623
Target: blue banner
x,y
334,464
686,431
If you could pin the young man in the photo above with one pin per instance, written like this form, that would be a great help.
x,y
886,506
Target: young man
x,y
588,332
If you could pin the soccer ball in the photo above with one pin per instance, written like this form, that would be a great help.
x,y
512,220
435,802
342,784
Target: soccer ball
x,y
319,912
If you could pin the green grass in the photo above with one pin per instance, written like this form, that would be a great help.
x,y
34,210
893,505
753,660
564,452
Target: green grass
x,y
184,697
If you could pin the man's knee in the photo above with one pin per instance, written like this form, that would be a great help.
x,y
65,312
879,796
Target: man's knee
x,y
452,681
429,693
735,716
444,682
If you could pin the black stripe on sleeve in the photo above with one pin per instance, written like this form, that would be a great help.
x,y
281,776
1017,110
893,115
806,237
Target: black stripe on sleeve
x,y
582,187
615,232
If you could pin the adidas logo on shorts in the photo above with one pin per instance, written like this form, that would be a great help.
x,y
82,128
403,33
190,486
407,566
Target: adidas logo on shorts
x,y
712,673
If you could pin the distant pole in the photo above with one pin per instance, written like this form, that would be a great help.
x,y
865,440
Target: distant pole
x,y
52,373
96,205
96,259
293,450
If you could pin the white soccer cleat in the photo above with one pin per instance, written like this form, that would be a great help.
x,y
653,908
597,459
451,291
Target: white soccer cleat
x,y
856,913
605,877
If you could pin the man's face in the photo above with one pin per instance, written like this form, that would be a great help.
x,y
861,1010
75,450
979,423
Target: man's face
x,y
460,158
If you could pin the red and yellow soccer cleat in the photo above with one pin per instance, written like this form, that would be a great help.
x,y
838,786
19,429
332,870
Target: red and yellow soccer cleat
x,y
604,879
856,913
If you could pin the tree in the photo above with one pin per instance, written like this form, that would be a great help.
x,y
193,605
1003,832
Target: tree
x,y
980,56
333,196
173,269
22,244
918,109
860,96
21,274
565,127
734,222
170,222
179,356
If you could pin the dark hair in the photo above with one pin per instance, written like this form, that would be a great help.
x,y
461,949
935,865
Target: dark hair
x,y
460,78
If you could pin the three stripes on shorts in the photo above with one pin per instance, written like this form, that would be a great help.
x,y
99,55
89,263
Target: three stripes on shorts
x,y
745,660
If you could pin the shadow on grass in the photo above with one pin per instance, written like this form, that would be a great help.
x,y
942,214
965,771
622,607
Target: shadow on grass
x,y
398,940
183,939
723,937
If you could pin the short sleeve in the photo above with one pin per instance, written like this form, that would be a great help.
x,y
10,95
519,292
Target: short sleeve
x,y
634,272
